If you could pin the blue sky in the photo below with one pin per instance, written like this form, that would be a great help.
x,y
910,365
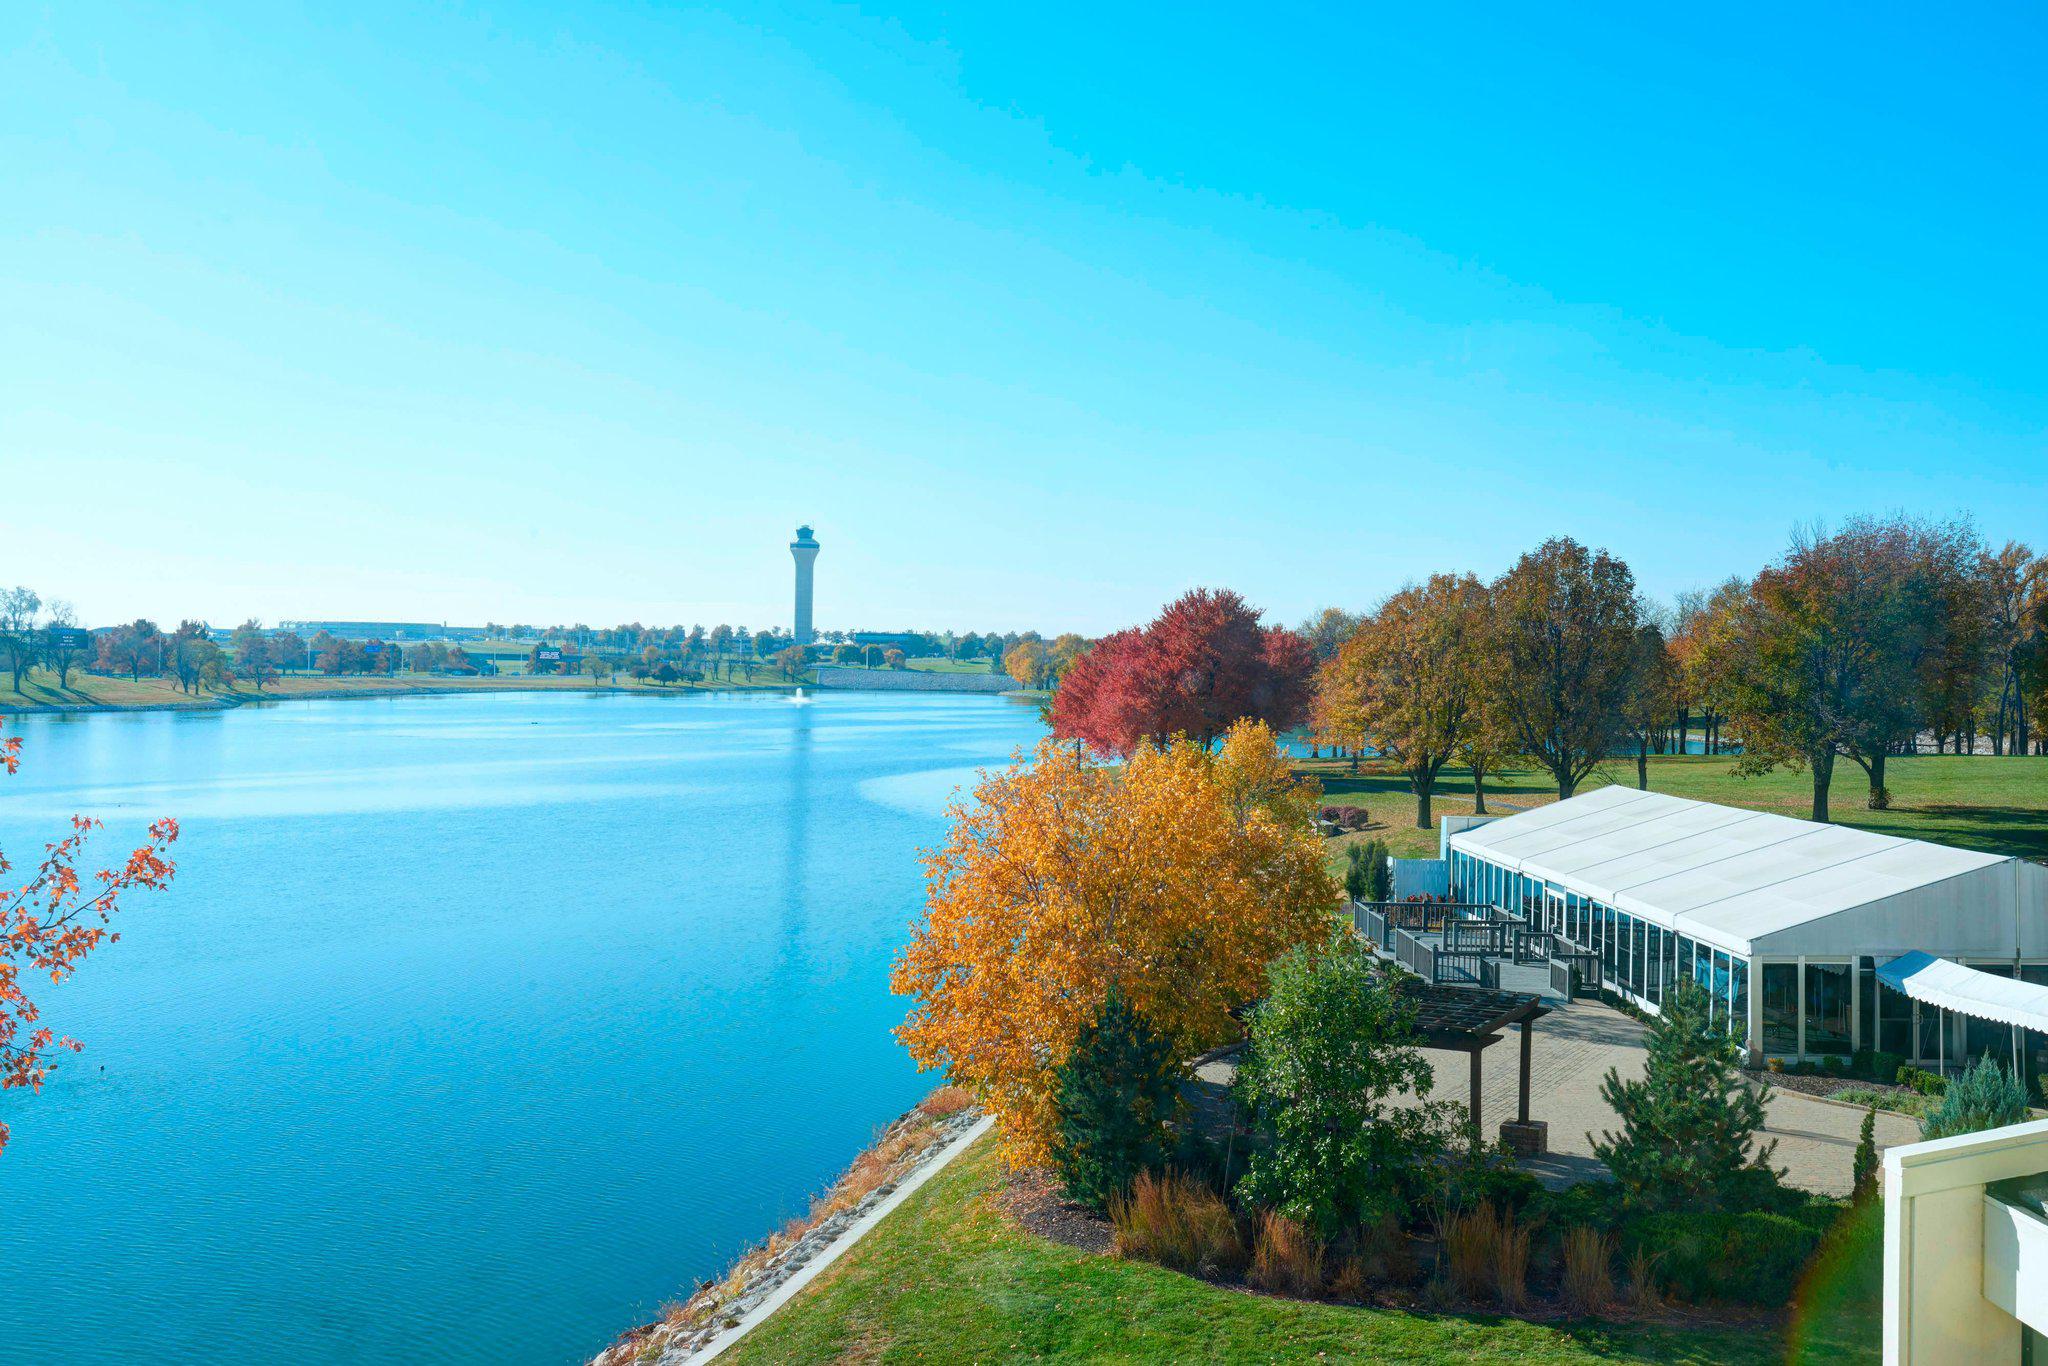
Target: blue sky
x,y
1041,314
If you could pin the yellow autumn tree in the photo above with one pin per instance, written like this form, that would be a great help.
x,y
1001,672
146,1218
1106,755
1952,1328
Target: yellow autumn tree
x,y
1177,875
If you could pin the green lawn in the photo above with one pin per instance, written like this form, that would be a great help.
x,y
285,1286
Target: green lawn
x,y
948,1278
1999,805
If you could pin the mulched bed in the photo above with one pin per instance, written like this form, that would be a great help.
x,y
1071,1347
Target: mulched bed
x,y
1821,1085
1033,1198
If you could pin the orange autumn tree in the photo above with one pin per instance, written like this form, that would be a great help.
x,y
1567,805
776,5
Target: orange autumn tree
x,y
51,922
1177,876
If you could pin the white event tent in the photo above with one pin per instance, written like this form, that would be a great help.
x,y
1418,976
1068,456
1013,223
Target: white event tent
x,y
1784,921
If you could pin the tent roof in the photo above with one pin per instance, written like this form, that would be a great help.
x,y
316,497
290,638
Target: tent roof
x,y
1952,986
1721,873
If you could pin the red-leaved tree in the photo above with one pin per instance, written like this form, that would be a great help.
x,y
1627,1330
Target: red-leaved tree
x,y
51,922
1202,664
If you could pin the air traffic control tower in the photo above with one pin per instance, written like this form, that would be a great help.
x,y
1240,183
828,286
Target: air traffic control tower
x,y
804,550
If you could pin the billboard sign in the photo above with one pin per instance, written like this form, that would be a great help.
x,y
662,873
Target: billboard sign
x,y
546,655
69,638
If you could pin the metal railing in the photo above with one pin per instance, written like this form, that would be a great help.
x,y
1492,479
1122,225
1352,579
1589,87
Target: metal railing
x,y
1575,974
1414,955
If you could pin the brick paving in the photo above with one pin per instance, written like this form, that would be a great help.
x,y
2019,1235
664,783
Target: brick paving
x,y
1575,1045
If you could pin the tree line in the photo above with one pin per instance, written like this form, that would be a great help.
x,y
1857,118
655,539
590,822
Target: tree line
x,y
1880,638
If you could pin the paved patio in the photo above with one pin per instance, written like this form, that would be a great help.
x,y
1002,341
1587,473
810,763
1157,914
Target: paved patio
x,y
1575,1045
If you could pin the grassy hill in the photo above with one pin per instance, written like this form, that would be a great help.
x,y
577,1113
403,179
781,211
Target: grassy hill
x,y
1999,805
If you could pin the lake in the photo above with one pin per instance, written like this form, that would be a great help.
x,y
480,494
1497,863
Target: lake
x,y
473,1028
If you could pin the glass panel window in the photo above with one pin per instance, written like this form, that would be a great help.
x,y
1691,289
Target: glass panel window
x,y
1657,953
1719,986
1866,1003
1781,1008
1828,988
1739,1021
1641,952
1894,1023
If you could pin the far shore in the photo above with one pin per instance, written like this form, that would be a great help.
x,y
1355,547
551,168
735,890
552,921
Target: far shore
x,y
102,694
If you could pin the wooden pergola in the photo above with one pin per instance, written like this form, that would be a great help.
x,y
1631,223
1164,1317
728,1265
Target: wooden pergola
x,y
1470,1020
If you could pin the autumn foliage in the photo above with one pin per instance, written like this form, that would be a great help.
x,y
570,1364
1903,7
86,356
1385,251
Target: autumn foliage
x,y
1177,875
51,922
1202,664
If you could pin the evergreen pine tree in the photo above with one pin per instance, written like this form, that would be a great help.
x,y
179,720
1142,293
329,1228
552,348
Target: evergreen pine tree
x,y
1986,1096
1687,1125
1357,872
1865,1168
1115,1094
1379,876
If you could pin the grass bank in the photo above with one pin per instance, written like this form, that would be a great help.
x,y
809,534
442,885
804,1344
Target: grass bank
x,y
1996,804
950,1277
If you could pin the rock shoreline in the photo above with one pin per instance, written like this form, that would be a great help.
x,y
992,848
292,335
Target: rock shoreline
x,y
902,1149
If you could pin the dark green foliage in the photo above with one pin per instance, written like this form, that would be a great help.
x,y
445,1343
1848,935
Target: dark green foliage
x,y
1357,877
1985,1097
1924,1082
1885,1067
1330,1047
1589,1204
1864,1179
1746,1258
1686,1126
1379,874
1116,1093
1478,1174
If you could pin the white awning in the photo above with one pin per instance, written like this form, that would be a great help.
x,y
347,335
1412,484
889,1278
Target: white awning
x,y
1938,982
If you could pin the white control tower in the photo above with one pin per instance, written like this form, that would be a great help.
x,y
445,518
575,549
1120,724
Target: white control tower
x,y
804,550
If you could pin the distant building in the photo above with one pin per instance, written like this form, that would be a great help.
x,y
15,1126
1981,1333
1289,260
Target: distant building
x,y
906,641
804,550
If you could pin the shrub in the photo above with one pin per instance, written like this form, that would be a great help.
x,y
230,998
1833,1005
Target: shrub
x,y
1112,1099
1587,1286
1774,1065
1355,817
1898,1102
1985,1097
1177,1222
1357,873
1863,1169
1483,1175
1379,874
1686,1126
1330,1049
1589,1204
1924,1082
1747,1258
1288,1259
1831,1065
1885,1067
1860,1062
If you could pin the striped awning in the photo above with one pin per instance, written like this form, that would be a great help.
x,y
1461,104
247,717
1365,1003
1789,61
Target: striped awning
x,y
1939,982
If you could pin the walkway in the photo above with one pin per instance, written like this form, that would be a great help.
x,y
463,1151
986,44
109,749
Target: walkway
x,y
1575,1046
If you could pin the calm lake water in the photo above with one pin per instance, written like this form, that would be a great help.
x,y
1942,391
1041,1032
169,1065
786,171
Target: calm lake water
x,y
473,1028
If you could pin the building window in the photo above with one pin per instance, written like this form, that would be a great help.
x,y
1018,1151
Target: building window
x,y
1720,985
1894,1023
1866,1003
1658,954
1830,989
1781,1008
1640,953
1738,1024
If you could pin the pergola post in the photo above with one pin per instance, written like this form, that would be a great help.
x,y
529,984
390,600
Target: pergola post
x,y
1528,1036
1475,1055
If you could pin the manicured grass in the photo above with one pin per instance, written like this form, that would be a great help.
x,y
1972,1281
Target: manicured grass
x,y
1999,805
933,664
1842,1299
948,1278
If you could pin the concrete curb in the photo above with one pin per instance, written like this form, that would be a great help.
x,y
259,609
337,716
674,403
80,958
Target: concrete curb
x,y
783,1293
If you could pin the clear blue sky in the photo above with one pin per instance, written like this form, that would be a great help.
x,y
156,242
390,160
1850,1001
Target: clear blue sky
x,y
1041,314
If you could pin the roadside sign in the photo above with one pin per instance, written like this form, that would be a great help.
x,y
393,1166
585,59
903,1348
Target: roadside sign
x,y
70,638
548,656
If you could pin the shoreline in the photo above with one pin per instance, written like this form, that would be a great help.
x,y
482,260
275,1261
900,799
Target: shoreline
x,y
232,700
